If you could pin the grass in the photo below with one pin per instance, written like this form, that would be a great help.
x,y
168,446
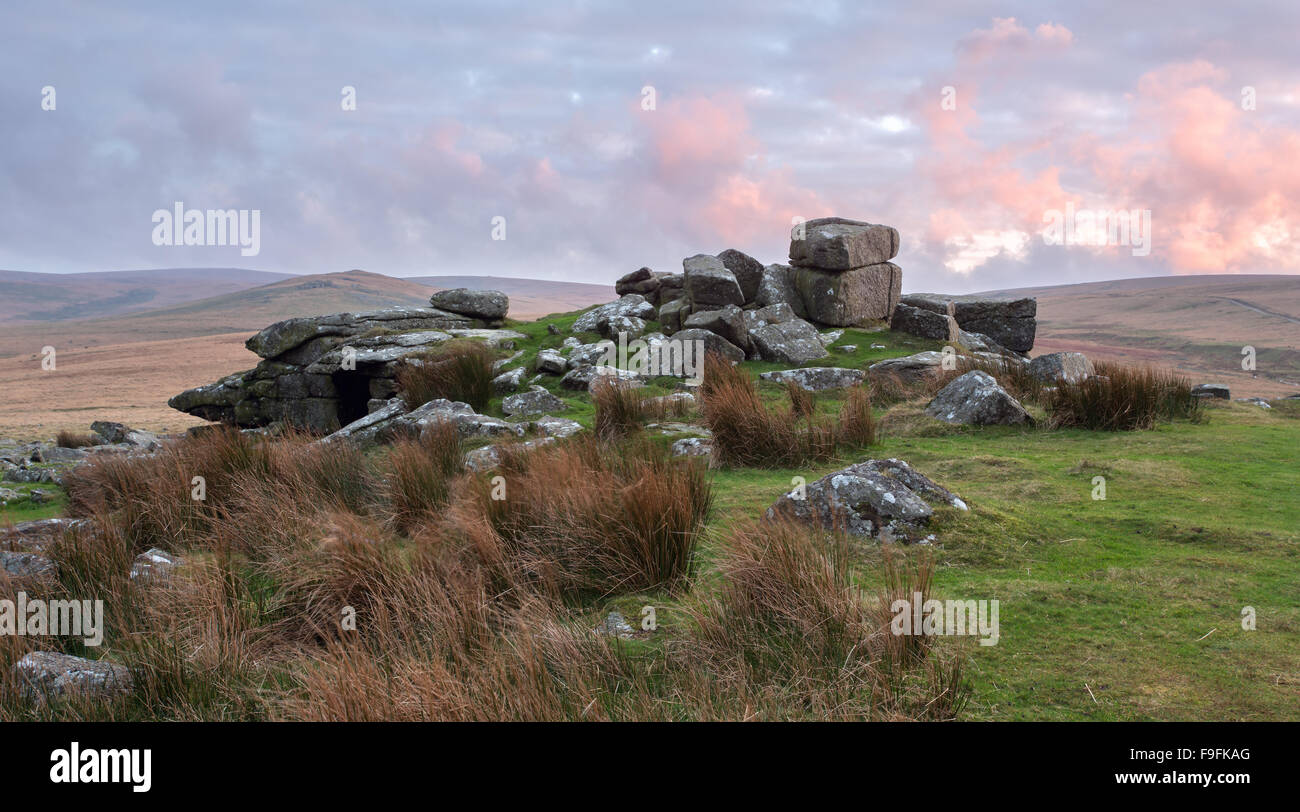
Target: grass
x,y
1122,398
458,370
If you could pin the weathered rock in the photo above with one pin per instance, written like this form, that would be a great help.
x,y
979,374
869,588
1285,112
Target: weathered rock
x,y
976,399
9,496
585,355
551,362
866,499
113,433
830,337
846,298
673,313
1211,390
26,565
536,400
584,377
909,368
511,380
692,447
1056,367
372,427
303,340
632,304
48,675
924,323
614,626
838,244
713,343
709,283
629,327
728,322
1260,402
789,342
558,427
489,456
777,287
747,270
153,565
817,379
37,535
1009,322
489,305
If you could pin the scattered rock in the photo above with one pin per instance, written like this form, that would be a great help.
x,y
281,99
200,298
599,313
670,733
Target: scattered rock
x,y
817,379
153,565
873,498
1210,390
510,381
558,427
551,362
614,625
975,398
909,368
1260,402
583,377
692,447
632,304
747,270
1058,367
536,400
50,675
831,337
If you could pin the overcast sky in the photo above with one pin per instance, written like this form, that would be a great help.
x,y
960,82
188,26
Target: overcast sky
x,y
536,112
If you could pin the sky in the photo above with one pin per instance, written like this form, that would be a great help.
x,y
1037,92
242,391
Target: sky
x,y
580,141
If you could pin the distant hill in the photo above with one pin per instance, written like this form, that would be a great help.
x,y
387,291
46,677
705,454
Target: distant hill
x,y
65,297
1197,324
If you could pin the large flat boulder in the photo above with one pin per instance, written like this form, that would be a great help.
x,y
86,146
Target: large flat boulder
x,y
909,368
631,304
924,323
489,305
846,298
839,244
817,379
303,340
976,399
887,499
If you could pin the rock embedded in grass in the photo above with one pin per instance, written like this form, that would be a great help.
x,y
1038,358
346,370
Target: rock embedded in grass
x,y
869,498
977,399
536,400
1062,367
817,379
1216,391
46,675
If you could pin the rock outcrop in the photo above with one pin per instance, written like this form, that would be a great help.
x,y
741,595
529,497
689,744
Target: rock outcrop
x,y
489,305
322,372
1062,367
46,675
842,272
817,379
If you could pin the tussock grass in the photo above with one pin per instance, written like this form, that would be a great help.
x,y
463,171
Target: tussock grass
x,y
620,408
459,370
420,473
73,439
1121,397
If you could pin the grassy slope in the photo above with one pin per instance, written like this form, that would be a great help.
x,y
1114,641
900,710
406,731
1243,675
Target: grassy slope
x,y
1107,596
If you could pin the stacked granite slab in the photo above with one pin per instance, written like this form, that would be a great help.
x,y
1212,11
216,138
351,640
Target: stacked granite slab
x,y
840,271
1011,323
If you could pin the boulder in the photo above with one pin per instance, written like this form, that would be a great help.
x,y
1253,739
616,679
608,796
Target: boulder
x,y
47,675
1062,367
747,270
692,447
584,377
558,427
585,355
489,456
536,400
630,327
976,399
642,281
511,380
1010,322
489,305
631,304
550,361
846,298
838,244
713,343
883,498
777,287
909,368
27,565
709,283
924,323
794,341
728,322
1211,390
153,565
302,340
817,379
673,313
